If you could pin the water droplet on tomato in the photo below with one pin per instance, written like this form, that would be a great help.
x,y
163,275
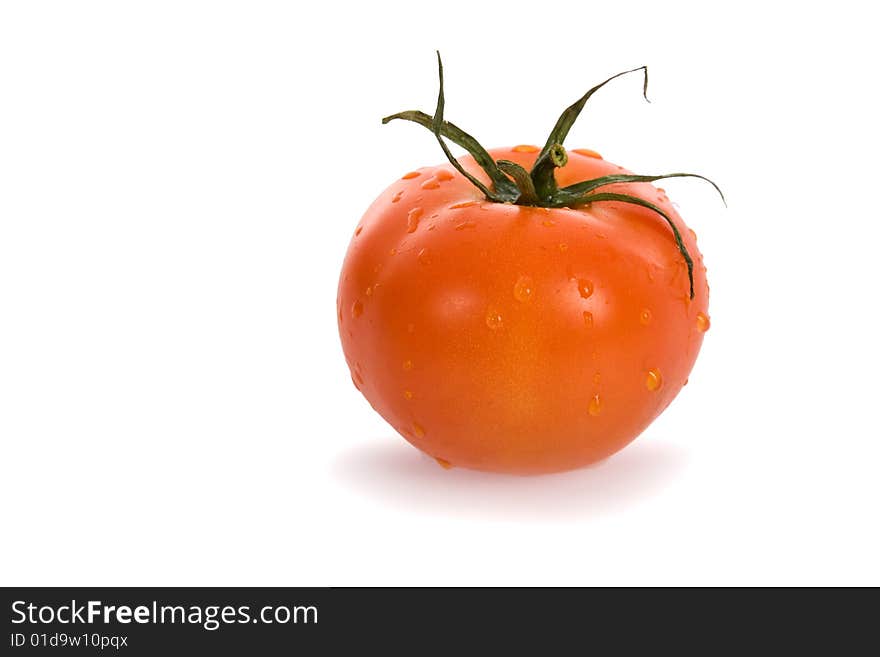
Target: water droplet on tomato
x,y
354,380
548,223
585,287
463,204
443,175
407,364
524,288
653,380
588,319
423,257
525,148
407,394
412,219
595,406
563,247
430,183
703,322
397,196
645,317
418,430
411,175
597,378
493,318
693,233
357,231
357,309
466,224
443,463
369,291
587,153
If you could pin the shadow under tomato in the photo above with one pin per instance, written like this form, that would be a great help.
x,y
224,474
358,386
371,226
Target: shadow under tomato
x,y
395,474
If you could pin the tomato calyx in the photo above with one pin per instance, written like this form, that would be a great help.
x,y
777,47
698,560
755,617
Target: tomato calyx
x,y
511,183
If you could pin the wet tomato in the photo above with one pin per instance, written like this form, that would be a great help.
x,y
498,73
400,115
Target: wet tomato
x,y
514,334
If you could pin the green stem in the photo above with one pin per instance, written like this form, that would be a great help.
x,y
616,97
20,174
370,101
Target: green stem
x,y
573,192
523,182
543,175
437,128
503,186
573,111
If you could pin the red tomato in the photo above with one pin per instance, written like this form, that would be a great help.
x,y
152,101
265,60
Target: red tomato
x,y
514,338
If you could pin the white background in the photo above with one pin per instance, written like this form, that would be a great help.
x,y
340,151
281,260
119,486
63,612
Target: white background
x,y
178,185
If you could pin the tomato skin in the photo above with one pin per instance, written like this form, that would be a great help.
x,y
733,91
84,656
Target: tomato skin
x,y
518,339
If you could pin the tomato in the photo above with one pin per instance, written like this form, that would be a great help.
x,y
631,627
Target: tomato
x,y
520,338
